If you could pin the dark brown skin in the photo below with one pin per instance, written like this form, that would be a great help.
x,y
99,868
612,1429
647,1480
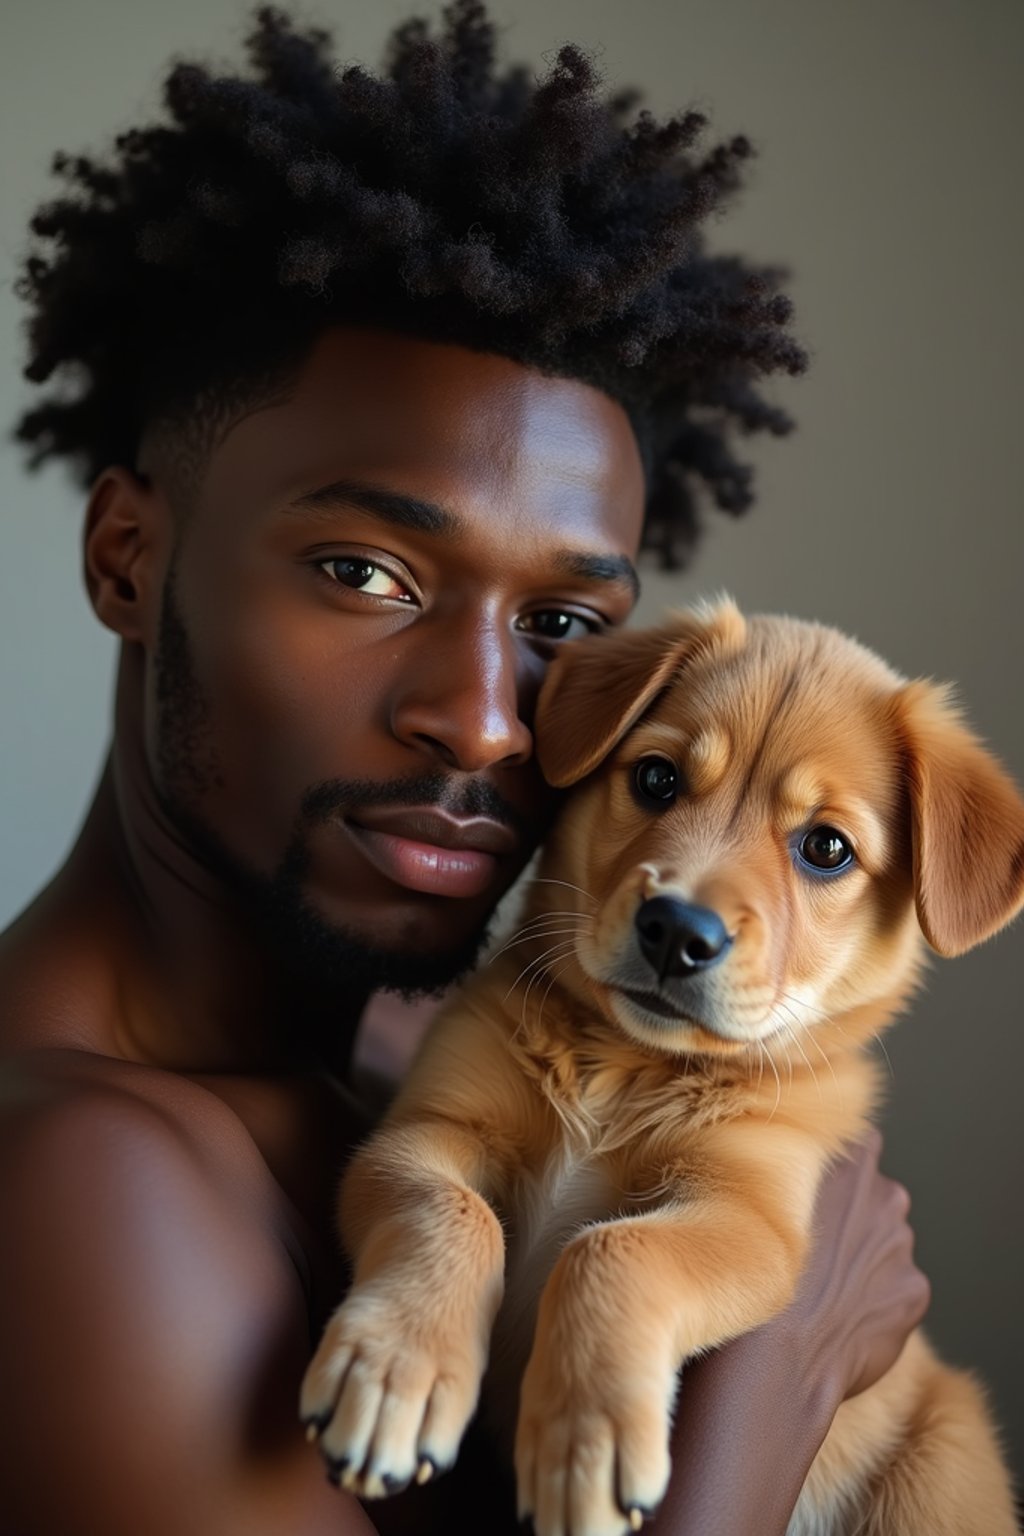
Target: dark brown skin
x,y
174,1114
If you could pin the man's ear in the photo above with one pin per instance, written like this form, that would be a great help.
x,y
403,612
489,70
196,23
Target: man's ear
x,y
125,548
597,689
968,825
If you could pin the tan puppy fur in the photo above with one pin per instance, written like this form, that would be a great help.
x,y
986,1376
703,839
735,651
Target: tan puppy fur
x,y
620,1164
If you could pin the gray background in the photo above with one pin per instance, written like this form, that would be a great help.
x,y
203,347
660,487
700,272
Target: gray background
x,y
890,133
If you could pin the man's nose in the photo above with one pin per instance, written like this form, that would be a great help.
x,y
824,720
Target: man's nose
x,y
462,697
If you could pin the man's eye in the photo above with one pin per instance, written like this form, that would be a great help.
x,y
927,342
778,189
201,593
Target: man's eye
x,y
365,576
558,624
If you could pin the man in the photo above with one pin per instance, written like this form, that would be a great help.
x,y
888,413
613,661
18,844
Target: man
x,y
378,385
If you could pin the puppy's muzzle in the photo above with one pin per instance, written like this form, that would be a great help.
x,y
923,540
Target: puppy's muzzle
x,y
679,939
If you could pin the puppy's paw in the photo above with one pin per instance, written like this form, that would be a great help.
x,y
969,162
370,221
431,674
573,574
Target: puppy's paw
x,y
592,1451
387,1397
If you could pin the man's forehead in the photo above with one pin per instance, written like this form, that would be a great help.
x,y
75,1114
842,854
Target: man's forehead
x,y
371,403
468,401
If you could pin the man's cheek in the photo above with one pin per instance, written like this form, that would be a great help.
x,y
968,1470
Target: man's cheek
x,y
269,743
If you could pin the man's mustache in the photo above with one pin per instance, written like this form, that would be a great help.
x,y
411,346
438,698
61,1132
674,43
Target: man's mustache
x,y
438,791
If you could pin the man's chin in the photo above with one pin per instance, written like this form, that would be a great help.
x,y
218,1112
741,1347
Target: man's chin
x,y
325,956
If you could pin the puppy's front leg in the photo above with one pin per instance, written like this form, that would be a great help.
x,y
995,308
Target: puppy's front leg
x,y
628,1301
397,1374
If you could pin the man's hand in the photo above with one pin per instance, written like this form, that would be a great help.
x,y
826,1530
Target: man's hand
x,y
752,1416
861,1294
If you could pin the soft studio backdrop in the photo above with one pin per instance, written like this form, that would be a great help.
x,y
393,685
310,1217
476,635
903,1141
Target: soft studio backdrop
x,y
890,133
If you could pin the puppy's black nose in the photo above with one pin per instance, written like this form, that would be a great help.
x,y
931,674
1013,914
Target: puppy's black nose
x,y
678,938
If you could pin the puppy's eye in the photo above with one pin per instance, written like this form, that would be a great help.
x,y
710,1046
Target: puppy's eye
x,y
656,779
825,848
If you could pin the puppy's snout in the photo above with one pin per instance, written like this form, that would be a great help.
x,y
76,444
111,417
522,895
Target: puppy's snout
x,y
679,938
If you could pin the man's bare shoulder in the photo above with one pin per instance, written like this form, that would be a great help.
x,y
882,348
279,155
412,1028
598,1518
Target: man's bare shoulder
x,y
154,1328
46,1092
63,1112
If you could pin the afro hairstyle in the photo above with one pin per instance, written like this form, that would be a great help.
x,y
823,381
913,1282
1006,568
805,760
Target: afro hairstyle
x,y
541,219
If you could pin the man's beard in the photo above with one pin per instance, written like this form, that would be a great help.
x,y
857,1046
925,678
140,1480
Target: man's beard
x,y
315,955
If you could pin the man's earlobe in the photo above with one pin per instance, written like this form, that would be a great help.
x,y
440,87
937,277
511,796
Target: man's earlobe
x,y
126,545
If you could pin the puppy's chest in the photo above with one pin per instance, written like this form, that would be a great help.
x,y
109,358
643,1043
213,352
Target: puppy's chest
x,y
594,1168
598,1164
547,1205
544,1209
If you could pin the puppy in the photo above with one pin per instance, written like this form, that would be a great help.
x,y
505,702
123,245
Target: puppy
x,y
612,1139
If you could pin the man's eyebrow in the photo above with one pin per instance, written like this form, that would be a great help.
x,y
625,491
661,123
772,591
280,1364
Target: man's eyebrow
x,y
391,506
617,569
429,517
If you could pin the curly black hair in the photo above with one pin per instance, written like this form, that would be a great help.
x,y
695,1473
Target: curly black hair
x,y
535,218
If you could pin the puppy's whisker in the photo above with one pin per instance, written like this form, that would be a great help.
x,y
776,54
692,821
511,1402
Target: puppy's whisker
x,y
567,947
778,1080
555,927
547,880
780,1026
555,976
794,1024
540,933
796,1041
550,912
573,955
809,1035
556,914
537,924
826,1058
543,971
789,1058
647,1196
881,1046
542,960
809,1008
876,1037
799,1007
538,960
539,975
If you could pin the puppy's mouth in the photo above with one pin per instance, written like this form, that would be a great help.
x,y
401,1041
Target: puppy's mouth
x,y
663,1007
653,1002
697,1034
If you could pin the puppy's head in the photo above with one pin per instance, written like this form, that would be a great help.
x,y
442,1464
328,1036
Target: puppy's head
x,y
766,819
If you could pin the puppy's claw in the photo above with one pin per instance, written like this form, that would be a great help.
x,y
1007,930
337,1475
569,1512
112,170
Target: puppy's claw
x,y
425,1471
336,1466
314,1424
636,1518
374,1486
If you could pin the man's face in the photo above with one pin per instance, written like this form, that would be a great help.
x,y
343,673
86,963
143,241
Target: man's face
x,y
368,590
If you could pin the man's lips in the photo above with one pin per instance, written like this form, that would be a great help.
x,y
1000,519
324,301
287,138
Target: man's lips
x,y
432,851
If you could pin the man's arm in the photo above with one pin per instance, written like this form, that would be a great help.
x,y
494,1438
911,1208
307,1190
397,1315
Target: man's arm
x,y
152,1340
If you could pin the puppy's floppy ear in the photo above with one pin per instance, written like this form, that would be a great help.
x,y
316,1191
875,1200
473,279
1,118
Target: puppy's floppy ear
x,y
968,825
596,689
